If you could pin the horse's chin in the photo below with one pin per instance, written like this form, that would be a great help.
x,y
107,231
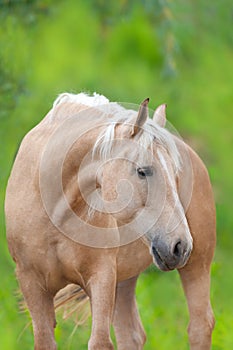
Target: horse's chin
x,y
161,265
164,266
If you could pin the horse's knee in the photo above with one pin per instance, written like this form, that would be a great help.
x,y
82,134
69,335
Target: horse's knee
x,y
139,339
135,341
200,332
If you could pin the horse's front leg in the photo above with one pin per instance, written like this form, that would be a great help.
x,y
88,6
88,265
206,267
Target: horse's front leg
x,y
196,282
126,321
40,304
101,290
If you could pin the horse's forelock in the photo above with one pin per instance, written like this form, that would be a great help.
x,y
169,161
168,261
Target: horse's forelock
x,y
150,133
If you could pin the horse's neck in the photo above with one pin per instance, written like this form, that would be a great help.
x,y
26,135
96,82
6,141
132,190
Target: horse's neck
x,y
63,111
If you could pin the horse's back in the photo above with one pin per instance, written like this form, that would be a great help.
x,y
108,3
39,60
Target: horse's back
x,y
26,218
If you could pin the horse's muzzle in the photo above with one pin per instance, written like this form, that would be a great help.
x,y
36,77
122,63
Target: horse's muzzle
x,y
170,256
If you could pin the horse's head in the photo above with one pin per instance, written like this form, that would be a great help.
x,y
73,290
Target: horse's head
x,y
139,185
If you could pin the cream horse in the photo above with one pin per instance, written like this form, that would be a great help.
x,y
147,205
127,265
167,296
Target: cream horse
x,y
96,194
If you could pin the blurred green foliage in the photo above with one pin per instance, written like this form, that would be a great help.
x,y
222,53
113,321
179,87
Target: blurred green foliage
x,y
178,52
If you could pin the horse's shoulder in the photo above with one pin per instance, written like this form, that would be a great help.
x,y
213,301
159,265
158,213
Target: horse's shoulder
x,y
190,158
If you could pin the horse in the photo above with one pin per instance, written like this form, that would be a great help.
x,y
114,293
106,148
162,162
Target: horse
x,y
97,193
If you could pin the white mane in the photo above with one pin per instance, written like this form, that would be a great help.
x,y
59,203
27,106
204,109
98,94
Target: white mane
x,y
82,98
116,114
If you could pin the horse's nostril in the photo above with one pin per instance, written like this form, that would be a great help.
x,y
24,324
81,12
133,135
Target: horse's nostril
x,y
177,249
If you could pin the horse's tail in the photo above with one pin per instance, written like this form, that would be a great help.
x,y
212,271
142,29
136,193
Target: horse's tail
x,y
72,301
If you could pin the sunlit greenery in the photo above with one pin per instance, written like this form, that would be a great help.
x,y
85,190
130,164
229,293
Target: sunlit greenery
x,y
178,52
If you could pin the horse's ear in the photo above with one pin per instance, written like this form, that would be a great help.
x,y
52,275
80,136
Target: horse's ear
x,y
141,117
159,116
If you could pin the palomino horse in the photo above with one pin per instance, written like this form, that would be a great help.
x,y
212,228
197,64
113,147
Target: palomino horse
x,y
97,193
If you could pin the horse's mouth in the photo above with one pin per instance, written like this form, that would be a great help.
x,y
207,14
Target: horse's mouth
x,y
168,265
159,262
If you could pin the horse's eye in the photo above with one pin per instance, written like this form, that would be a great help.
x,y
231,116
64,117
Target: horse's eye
x,y
145,171
141,173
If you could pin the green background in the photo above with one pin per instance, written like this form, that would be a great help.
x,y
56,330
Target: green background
x,y
178,52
